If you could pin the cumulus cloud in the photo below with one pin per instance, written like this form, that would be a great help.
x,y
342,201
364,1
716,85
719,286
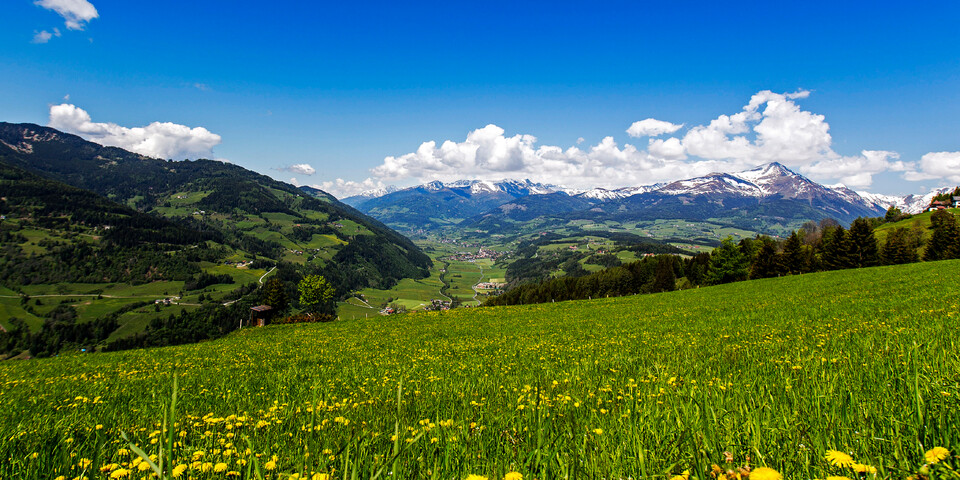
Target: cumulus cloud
x,y
652,127
341,188
301,168
857,171
770,127
75,13
936,166
158,139
44,36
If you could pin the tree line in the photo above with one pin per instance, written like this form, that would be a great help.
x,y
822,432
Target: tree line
x,y
816,247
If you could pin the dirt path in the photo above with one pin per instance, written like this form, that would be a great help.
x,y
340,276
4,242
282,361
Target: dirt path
x,y
265,274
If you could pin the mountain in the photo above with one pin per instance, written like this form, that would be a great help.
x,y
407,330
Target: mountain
x,y
438,204
357,200
251,213
770,194
51,232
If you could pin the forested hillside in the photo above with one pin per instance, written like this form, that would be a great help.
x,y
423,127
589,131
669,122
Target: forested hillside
x,y
85,221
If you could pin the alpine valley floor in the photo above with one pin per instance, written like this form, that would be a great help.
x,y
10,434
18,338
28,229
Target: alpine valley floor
x,y
777,372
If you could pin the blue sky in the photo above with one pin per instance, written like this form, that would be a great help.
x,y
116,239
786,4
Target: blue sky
x,y
863,93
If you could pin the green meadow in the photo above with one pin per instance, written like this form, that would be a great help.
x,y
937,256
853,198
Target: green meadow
x,y
774,373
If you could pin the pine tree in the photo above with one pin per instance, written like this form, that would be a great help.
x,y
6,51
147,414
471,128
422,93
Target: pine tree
x,y
901,247
664,280
833,248
793,259
945,241
274,294
863,245
766,264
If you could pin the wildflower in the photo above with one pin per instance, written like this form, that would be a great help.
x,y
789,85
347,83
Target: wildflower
x,y
475,477
178,470
120,473
84,463
839,478
765,473
598,431
936,454
839,459
220,467
270,465
61,477
862,468
143,466
513,476
320,476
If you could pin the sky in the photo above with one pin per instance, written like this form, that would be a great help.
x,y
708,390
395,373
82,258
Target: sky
x,y
349,96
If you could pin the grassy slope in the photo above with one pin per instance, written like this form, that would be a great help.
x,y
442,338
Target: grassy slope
x,y
778,369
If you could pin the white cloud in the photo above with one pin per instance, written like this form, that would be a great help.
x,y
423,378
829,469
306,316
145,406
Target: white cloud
x,y
857,171
341,188
76,13
45,36
488,153
652,127
158,139
771,127
936,166
670,149
301,168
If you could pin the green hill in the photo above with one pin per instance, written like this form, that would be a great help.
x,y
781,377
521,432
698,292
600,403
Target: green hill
x,y
776,372
76,211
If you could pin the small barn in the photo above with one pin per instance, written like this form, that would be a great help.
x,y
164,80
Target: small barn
x,y
260,315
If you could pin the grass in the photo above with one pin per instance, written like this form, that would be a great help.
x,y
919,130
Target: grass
x,y
776,372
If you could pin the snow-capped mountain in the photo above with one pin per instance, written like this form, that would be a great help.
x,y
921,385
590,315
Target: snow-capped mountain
x,y
604,194
770,191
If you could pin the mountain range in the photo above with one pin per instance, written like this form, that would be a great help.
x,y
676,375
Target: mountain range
x,y
765,195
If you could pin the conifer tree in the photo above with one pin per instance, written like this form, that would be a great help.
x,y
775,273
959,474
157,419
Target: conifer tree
x,y
767,262
863,245
945,241
727,264
792,259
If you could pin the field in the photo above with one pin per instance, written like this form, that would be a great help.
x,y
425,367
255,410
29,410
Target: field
x,y
776,372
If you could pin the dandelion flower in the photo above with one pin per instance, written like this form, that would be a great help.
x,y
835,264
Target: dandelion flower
x,y
598,431
936,454
178,470
839,459
220,467
513,476
270,465
839,478
765,473
863,468
320,476
475,477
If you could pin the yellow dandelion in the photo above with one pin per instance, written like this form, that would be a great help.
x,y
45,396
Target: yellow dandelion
x,y
120,473
839,478
863,468
936,454
765,473
513,476
178,470
598,431
143,466
475,477
839,459
61,477
220,467
320,476
270,465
